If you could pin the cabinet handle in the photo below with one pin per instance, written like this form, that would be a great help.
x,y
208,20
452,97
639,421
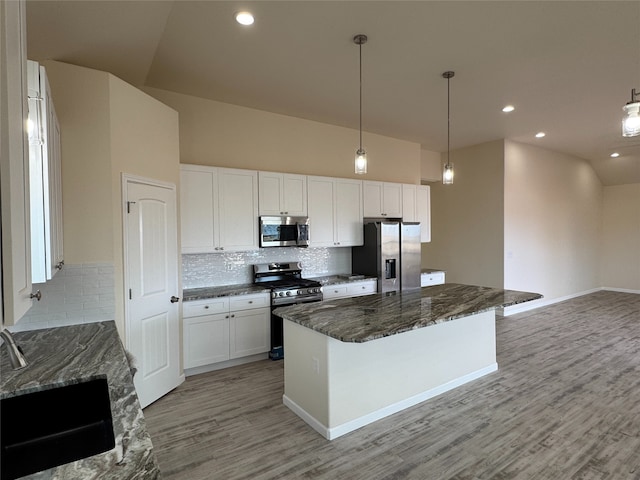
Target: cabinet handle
x,y
206,307
37,295
60,264
233,315
250,301
174,299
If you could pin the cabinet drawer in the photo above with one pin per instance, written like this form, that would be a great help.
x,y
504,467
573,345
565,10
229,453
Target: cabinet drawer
x,y
428,279
334,291
205,307
247,302
356,289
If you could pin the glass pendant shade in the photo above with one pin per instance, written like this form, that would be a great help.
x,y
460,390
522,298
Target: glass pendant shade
x,y
631,122
361,161
447,174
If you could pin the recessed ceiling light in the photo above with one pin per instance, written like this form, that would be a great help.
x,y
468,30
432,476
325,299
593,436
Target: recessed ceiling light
x,y
540,134
614,155
244,18
508,108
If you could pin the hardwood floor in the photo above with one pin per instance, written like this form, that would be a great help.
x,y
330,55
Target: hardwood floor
x,y
564,404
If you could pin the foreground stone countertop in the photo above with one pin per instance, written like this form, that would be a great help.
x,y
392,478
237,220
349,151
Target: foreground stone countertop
x,y
67,355
362,319
202,293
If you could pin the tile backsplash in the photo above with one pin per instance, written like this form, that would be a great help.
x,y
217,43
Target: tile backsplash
x,y
215,269
76,294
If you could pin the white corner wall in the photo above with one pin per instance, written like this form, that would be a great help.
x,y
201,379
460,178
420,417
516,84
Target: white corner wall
x,y
620,259
552,223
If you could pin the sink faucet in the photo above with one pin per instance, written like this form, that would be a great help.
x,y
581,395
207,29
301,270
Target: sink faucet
x,y
16,357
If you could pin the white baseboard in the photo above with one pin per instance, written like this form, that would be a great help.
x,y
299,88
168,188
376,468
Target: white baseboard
x,y
524,307
229,363
335,432
543,302
622,290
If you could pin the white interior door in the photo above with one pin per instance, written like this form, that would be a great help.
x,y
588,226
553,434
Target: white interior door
x,y
151,275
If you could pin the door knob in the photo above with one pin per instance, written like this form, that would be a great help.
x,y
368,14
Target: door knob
x,y
174,299
37,295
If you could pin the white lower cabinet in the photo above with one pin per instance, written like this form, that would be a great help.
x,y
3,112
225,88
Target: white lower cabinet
x,y
224,328
433,278
351,289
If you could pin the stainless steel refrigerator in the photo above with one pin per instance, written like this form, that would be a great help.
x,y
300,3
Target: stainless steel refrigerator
x,y
391,252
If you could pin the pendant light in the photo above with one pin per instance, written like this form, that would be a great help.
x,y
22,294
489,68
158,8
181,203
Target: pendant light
x,y
447,173
361,155
631,121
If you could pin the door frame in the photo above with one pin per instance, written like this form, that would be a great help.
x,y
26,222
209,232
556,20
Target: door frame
x,y
128,178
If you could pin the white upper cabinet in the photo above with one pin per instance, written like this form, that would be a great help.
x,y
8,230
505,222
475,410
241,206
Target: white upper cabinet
x,y
382,199
238,212
416,207
219,209
45,177
335,212
14,168
282,194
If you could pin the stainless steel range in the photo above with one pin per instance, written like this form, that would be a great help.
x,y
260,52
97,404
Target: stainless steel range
x,y
287,288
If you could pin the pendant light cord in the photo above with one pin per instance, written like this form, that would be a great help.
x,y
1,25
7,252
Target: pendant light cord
x,y
360,45
448,121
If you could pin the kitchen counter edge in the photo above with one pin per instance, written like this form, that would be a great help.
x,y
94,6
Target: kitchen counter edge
x,y
67,355
362,319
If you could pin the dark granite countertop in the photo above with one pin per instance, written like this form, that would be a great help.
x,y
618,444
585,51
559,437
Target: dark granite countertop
x,y
338,279
202,293
66,355
362,319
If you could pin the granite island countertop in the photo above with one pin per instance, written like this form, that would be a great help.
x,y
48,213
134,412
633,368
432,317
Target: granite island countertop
x,y
362,319
67,355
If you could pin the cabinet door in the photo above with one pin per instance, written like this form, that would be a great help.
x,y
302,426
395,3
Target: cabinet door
x,y
294,195
269,193
334,291
14,168
249,332
198,204
362,288
206,340
423,211
348,213
409,201
372,195
238,209
392,200
55,190
321,211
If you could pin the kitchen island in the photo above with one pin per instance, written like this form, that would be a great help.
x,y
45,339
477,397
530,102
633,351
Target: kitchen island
x,y
353,361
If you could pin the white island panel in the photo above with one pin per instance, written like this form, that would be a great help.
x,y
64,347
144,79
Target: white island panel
x,y
337,387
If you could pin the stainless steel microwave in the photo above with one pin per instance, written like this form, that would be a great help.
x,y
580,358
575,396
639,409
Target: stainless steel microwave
x,y
284,231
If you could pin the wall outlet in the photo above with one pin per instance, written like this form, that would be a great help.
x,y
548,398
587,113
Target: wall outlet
x,y
315,363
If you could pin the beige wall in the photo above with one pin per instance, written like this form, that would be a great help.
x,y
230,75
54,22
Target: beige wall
x,y
430,166
467,218
144,142
215,133
81,97
553,217
620,257
108,127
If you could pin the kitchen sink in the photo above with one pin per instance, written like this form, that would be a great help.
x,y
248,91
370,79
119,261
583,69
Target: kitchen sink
x,y
52,427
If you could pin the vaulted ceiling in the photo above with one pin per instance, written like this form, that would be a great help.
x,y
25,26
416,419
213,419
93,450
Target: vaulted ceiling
x,y
568,67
